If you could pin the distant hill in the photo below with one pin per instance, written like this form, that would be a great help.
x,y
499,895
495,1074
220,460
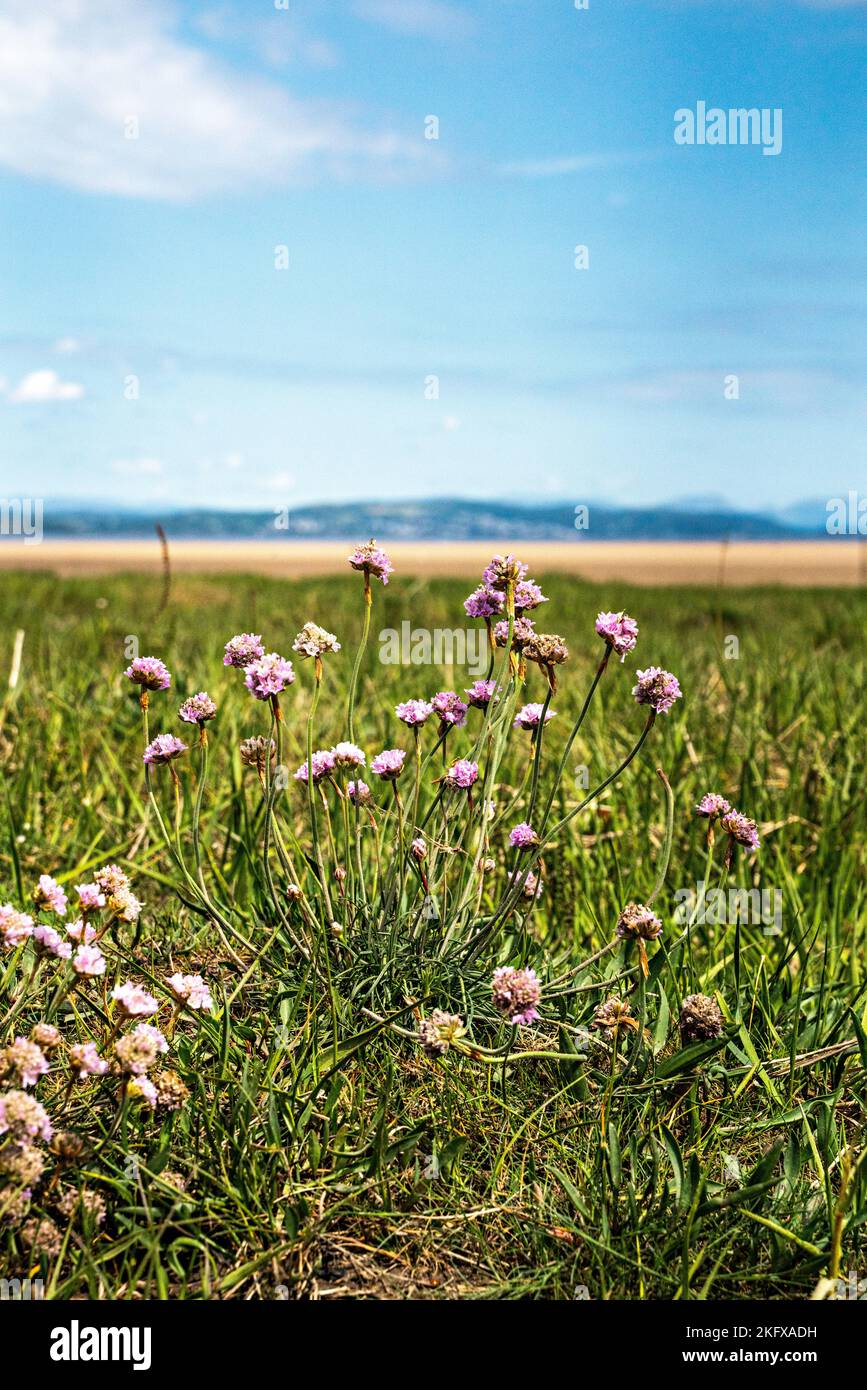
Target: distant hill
x,y
442,519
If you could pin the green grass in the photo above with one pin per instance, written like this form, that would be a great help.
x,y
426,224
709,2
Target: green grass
x,y
306,1145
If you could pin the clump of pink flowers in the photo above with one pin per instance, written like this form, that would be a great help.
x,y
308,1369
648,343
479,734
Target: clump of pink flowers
x,y
462,774
619,631
372,561
529,717
148,672
414,712
163,749
243,650
657,688
516,994
388,764
269,676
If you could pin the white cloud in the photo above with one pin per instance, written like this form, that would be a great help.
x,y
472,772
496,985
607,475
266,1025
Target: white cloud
x,y
560,164
45,385
138,468
75,74
431,19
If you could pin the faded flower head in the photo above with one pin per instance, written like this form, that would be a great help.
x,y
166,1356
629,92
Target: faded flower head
x,y
137,1052
462,774
268,676
547,650
529,716
451,709
40,1236
191,990
254,751
163,749
523,836
322,763
15,927
523,631
23,1118
613,1015
700,1019
88,960
22,1063
530,885
171,1091
198,709
358,793
712,805
111,879
348,755
23,1163
86,1061
243,650
516,994
88,1206
437,1033
133,1001
741,829
414,712
503,571
46,1036
49,895
619,631
657,688
389,763
418,849
371,560
124,905
637,922
314,641
148,672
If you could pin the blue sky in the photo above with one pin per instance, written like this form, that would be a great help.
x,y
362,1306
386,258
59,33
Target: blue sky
x,y
408,258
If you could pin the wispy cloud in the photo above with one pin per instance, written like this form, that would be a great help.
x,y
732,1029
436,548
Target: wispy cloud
x,y
430,19
132,108
42,386
561,164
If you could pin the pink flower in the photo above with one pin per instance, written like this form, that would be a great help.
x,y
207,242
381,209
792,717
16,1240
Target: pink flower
x,y
269,676
451,710
348,755
481,693
80,931
358,793
133,1001
530,715
244,649
523,836
388,764
84,1058
148,672
49,942
90,898
484,603
23,1118
190,990
712,805
15,927
371,560
619,631
516,994
198,709
50,895
462,774
88,960
163,749
657,688
321,764
414,712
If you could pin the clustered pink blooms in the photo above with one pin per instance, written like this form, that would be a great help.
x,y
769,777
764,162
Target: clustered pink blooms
x,y
480,693
358,793
243,650
528,595
388,764
484,603
23,1062
322,764
89,961
49,942
348,755
133,1001
49,896
523,630
15,927
163,749
191,990
657,688
451,710
371,560
81,931
619,631
530,715
85,1059
462,774
23,1118
530,885
502,571
414,712
198,709
516,994
90,897
741,829
148,672
712,805
137,1052
523,836
268,676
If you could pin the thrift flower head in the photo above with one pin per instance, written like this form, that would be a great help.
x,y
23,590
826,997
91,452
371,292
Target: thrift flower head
x,y
133,1001
638,922
84,1058
531,886
523,629
23,1118
46,1036
23,1063
111,879
389,763
529,716
358,793
414,712
451,710
437,1033
619,631
244,649
254,751
80,931
137,1052
743,830
124,905
418,849
523,836
321,764
268,676
462,774
171,1091
198,709
315,641
15,927
480,693
528,595
191,990
712,805
90,897
700,1019
372,561
163,749
504,570
23,1163
88,960
142,1088
148,672
657,688
348,755
484,602
516,994
49,942
49,895
548,650
613,1015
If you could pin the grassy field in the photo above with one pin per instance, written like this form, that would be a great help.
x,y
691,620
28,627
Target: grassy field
x,y
321,1153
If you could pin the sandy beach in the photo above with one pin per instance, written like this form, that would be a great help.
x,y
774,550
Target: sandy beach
x,y
825,564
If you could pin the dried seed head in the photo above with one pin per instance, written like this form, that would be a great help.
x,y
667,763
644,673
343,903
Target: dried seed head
x,y
172,1092
637,922
613,1015
700,1019
437,1033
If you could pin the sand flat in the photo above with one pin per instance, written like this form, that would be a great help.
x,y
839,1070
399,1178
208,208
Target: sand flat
x,y
831,563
